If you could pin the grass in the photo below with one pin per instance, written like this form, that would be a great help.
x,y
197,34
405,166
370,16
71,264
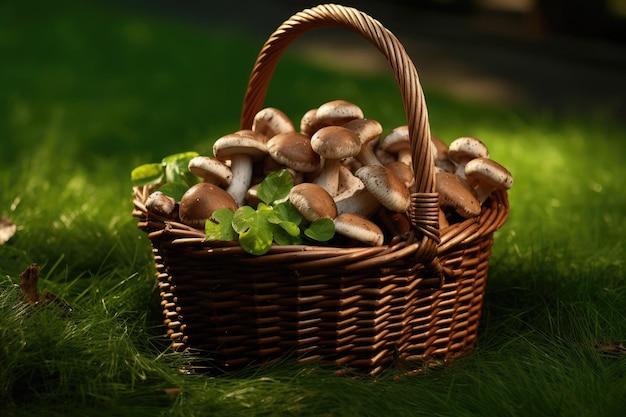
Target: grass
x,y
89,92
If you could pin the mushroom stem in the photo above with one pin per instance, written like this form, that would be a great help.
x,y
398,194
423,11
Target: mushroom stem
x,y
241,167
486,175
329,177
483,191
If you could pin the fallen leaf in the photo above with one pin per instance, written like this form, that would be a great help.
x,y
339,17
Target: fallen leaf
x,y
29,279
7,229
612,349
172,392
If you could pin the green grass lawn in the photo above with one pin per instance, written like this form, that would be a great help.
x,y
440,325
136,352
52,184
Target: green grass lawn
x,y
88,92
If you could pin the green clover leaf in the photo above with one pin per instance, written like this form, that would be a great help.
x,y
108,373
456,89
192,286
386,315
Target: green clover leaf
x,y
176,168
255,231
174,189
220,225
320,230
148,174
284,238
275,186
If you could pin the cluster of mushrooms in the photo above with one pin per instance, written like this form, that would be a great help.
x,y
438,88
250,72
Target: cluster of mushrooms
x,y
342,169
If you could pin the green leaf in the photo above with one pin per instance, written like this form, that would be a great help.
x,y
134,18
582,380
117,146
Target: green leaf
x,y
255,232
176,168
178,157
219,226
148,174
289,227
256,241
282,237
282,216
321,230
244,218
275,186
288,212
174,189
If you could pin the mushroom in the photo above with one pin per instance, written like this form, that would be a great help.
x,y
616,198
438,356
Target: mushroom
x,y
200,201
486,175
309,123
353,197
347,181
403,171
358,228
161,204
271,121
338,112
397,142
249,133
293,150
385,186
456,194
368,131
252,196
464,149
395,224
440,155
383,156
312,201
241,150
211,170
333,143
357,201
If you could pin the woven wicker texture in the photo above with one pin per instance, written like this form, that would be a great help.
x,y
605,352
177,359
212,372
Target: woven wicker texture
x,y
416,298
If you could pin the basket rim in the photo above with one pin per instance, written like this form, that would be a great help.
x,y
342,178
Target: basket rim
x,y
161,228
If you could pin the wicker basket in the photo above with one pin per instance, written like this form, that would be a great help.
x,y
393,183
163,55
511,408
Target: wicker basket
x,y
417,298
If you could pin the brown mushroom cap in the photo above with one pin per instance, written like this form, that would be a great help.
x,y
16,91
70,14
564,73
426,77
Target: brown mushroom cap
x,y
368,131
235,144
211,170
440,149
161,203
398,142
403,171
312,201
440,155
200,201
487,175
271,121
338,112
456,194
358,228
385,186
335,142
293,150
309,123
249,133
464,149
352,196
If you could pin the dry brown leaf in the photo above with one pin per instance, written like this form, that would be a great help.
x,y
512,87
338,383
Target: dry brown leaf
x,y
28,283
615,348
29,280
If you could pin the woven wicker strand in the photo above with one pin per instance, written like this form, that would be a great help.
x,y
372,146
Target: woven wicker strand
x,y
417,298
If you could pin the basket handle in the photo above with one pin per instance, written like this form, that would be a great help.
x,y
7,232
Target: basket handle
x,y
425,201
